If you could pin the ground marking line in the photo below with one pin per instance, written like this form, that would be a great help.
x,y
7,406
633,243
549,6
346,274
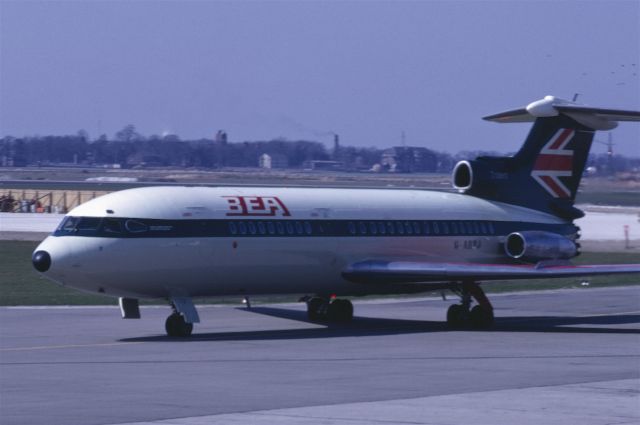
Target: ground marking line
x,y
52,347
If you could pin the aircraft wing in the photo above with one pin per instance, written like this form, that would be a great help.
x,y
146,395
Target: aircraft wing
x,y
376,271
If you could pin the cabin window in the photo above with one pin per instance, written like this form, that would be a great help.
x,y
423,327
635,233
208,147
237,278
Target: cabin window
x,y
373,228
242,227
390,228
252,227
408,228
381,228
454,227
426,228
436,228
280,228
492,230
289,227
399,228
307,228
299,229
362,227
445,228
476,228
261,228
233,229
416,227
271,228
469,227
352,228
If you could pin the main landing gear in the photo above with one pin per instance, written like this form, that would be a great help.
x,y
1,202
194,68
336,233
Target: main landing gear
x,y
332,310
463,316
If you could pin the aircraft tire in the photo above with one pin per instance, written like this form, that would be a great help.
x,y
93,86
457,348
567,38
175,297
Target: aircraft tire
x,y
481,318
314,309
177,327
340,311
455,316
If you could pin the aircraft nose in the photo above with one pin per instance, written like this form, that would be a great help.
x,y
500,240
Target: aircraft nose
x,y
41,261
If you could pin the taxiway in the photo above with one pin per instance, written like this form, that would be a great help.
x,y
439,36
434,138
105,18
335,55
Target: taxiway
x,y
570,356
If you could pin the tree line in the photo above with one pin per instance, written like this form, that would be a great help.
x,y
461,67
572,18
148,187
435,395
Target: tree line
x,y
129,149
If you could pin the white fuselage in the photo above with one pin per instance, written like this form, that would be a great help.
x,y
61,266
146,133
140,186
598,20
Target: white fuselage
x,y
203,241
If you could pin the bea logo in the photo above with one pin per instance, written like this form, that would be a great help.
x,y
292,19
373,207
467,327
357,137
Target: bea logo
x,y
256,206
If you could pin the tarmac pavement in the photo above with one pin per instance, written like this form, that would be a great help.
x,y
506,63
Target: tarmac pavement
x,y
569,356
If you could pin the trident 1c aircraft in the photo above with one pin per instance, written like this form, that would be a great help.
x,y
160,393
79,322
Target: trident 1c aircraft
x,y
512,219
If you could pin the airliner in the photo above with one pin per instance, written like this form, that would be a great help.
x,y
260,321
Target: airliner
x,y
511,218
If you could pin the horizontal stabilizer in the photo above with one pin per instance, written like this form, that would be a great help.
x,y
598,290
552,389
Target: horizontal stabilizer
x,y
375,271
550,106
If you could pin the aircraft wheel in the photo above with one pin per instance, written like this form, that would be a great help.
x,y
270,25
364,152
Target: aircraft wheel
x,y
456,316
481,317
315,307
340,311
177,327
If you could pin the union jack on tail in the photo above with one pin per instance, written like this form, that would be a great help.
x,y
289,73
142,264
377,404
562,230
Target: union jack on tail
x,y
555,161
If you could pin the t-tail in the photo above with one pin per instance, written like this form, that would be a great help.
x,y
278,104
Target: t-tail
x,y
545,173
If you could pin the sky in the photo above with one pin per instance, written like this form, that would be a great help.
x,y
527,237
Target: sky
x,y
260,70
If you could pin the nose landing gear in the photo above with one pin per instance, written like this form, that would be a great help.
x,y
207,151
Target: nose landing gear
x,y
177,326
180,322
463,316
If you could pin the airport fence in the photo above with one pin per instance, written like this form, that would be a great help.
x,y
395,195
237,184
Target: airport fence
x,y
44,201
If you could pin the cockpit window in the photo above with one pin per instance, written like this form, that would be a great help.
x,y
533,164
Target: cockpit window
x,y
134,226
68,224
111,225
84,226
88,224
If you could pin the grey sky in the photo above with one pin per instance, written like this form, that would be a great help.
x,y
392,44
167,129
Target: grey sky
x,y
261,70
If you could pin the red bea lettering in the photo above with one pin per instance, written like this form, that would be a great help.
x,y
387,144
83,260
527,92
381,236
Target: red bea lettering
x,y
256,206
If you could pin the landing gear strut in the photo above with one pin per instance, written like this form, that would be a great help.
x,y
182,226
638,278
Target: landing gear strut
x,y
463,316
335,310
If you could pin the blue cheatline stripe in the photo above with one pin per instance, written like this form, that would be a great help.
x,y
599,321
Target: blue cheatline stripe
x,y
111,227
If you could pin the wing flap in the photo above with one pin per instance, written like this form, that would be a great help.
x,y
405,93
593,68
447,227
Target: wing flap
x,y
375,271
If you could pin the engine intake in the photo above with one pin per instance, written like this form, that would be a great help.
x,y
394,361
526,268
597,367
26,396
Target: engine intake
x,y
539,245
484,176
463,176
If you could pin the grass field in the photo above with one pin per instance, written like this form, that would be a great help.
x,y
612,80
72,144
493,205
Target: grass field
x,y
20,284
624,199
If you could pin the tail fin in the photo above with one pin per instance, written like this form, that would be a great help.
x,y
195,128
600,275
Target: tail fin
x,y
546,172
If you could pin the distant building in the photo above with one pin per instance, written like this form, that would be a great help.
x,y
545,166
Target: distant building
x,y
407,159
336,146
221,137
274,160
323,165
